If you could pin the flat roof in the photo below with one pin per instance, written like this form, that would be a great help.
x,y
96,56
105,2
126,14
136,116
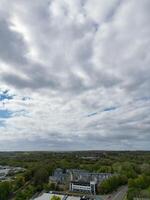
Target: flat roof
x,y
73,198
48,196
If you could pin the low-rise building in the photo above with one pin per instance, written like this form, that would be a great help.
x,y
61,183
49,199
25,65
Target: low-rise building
x,y
48,196
85,187
6,171
79,180
59,176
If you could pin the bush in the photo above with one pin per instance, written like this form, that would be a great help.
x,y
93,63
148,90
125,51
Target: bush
x,y
54,197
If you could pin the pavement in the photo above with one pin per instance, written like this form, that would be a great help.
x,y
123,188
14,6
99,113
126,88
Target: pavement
x,y
119,195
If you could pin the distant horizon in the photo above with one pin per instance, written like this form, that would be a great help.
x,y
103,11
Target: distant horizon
x,y
72,151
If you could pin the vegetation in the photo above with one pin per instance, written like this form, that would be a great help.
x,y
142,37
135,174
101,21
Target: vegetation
x,y
132,168
5,190
140,185
112,184
54,197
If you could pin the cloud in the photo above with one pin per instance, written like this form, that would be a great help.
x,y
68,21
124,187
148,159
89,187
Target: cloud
x,y
11,45
74,74
4,95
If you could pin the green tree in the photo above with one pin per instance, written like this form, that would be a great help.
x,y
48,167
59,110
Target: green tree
x,y
112,184
20,181
55,197
41,176
5,190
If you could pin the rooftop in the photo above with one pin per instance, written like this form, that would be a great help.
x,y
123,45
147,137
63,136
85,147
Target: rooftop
x,y
48,196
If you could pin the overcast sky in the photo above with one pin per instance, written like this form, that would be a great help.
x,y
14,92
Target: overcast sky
x,y
74,74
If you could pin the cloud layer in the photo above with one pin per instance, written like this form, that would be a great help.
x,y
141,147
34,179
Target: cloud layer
x,y
74,74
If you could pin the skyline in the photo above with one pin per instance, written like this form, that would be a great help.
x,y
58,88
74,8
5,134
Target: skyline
x,y
74,75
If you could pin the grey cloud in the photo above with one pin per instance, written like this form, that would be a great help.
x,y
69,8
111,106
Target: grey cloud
x,y
12,47
35,81
76,58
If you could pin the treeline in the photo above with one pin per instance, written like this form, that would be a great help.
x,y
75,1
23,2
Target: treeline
x,y
136,175
112,183
139,186
32,181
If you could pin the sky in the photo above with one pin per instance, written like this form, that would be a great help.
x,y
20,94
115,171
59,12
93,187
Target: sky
x,y
74,75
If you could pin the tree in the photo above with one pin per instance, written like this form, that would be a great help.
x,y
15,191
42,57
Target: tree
x,y
20,181
132,193
54,197
41,176
112,184
5,190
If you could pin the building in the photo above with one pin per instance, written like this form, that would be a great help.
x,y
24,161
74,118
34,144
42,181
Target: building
x,y
48,196
59,176
7,171
4,171
79,180
85,176
85,187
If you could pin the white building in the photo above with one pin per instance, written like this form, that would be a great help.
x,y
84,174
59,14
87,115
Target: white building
x,y
86,187
48,196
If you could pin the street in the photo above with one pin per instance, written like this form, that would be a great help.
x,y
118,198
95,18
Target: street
x,y
120,194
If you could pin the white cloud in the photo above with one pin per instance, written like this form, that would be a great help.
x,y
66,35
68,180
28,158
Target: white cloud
x,y
74,60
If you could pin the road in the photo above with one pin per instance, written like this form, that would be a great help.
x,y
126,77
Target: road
x,y
120,194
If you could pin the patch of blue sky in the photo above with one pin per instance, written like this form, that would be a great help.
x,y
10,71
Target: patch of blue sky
x,y
25,98
2,123
92,114
110,109
20,113
4,95
5,114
